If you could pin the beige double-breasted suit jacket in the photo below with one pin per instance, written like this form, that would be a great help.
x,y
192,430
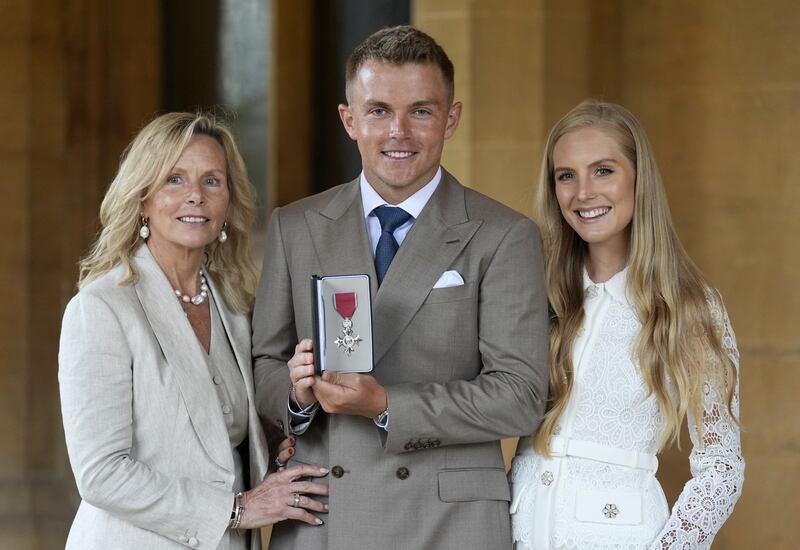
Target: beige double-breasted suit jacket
x,y
145,433
463,367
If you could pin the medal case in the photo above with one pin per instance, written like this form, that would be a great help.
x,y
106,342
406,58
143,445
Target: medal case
x,y
342,323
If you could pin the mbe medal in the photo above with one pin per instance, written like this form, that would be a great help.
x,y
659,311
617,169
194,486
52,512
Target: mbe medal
x,y
345,304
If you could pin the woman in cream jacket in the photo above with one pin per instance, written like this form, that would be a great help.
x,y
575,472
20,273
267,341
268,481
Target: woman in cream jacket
x,y
154,361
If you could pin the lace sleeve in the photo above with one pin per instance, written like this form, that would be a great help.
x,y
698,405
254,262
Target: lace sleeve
x,y
717,465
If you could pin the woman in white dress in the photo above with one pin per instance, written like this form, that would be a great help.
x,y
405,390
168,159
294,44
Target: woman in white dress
x,y
639,341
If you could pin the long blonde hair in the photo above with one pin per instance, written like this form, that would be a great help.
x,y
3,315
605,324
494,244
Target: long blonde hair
x,y
669,294
144,168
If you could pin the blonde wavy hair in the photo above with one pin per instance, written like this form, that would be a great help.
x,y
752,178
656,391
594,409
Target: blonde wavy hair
x,y
678,348
145,166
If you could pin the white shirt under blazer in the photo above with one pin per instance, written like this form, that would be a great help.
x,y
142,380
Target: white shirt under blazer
x,y
146,436
598,490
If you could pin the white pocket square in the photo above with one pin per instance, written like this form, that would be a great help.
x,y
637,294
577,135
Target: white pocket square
x,y
449,278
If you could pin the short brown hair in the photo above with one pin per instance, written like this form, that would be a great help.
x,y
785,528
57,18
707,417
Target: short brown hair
x,y
398,46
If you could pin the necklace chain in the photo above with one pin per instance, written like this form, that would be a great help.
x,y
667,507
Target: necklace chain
x,y
197,299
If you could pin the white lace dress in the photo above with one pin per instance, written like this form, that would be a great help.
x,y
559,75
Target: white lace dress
x,y
599,490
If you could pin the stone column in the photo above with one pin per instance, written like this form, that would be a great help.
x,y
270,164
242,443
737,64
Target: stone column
x,y
716,84
497,48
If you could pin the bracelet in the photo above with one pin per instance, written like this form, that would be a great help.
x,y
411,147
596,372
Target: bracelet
x,y
380,420
237,512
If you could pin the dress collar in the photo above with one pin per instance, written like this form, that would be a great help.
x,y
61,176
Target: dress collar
x,y
616,286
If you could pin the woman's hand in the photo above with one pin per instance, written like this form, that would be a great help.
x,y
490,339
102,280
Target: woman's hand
x,y
281,496
285,452
301,372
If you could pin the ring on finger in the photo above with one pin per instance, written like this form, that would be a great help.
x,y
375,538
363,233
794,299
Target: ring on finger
x,y
296,503
278,463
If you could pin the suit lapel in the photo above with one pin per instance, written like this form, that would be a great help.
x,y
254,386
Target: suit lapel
x,y
184,356
437,237
440,233
339,235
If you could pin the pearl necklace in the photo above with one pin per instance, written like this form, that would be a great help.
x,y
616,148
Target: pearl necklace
x,y
198,298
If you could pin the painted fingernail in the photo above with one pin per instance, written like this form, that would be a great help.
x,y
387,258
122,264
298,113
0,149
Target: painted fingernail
x,y
324,470
291,451
319,521
292,440
325,506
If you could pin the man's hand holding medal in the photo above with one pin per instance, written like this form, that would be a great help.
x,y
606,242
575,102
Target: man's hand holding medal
x,y
337,393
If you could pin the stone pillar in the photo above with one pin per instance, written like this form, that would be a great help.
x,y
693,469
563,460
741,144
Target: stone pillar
x,y
716,84
497,48
79,79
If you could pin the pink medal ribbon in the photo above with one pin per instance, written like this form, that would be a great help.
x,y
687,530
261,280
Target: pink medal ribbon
x,y
345,304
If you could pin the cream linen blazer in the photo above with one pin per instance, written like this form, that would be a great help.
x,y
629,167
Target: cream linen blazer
x,y
146,437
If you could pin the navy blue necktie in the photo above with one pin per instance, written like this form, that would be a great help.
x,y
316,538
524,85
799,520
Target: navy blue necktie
x,y
391,218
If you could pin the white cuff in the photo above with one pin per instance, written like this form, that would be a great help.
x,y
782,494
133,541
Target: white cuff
x,y
300,420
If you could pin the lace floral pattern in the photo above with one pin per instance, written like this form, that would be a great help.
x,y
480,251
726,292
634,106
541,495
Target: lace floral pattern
x,y
717,465
610,407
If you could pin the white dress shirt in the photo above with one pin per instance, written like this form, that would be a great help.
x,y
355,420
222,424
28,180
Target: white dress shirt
x,y
414,204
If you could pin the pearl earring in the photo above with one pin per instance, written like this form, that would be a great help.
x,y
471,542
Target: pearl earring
x,y
223,236
144,231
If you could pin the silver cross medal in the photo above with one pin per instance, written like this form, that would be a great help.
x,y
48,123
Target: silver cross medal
x,y
347,341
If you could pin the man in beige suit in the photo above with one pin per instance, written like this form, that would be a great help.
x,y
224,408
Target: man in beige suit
x,y
459,324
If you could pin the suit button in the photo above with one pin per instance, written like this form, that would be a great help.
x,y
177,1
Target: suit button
x,y
193,542
417,445
337,471
226,409
403,473
217,379
408,446
436,442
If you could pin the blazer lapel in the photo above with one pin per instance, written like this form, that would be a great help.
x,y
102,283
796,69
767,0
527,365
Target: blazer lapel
x,y
183,355
440,233
237,329
339,235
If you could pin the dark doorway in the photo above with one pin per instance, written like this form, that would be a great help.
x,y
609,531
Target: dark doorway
x,y
339,26
215,58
